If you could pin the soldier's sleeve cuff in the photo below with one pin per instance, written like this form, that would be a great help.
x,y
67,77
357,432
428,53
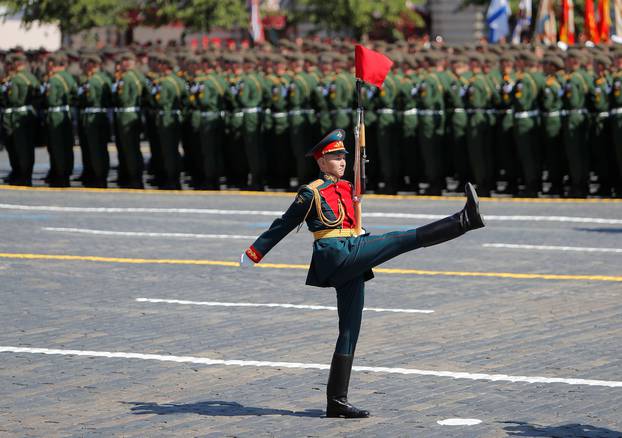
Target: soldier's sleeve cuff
x,y
253,254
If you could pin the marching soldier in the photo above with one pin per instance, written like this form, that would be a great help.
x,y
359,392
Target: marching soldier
x,y
127,97
505,143
457,119
19,95
387,141
575,126
616,118
407,98
210,99
525,109
60,92
235,155
343,260
94,99
322,91
299,107
246,95
192,122
602,150
341,93
551,105
477,100
150,114
431,113
169,96
277,147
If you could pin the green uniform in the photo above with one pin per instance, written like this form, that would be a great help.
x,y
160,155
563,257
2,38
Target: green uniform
x,y
169,98
127,99
551,111
277,148
300,124
345,261
19,97
457,125
477,100
431,105
575,130
94,99
249,99
340,101
525,105
387,140
150,113
60,93
409,122
371,122
603,155
505,140
210,96
189,131
616,128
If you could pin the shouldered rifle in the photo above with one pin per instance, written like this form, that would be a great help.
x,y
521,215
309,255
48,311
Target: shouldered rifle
x,y
371,67
360,159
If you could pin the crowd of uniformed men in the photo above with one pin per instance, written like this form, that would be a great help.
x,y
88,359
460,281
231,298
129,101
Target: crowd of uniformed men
x,y
514,115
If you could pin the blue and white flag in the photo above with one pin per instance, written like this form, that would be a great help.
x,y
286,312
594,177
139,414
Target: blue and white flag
x,y
497,19
523,23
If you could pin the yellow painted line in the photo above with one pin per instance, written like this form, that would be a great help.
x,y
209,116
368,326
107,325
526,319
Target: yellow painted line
x,y
291,195
139,261
117,259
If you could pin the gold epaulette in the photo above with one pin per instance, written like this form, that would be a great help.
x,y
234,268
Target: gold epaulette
x,y
315,184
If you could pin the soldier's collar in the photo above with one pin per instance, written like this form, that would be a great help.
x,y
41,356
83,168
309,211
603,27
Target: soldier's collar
x,y
330,178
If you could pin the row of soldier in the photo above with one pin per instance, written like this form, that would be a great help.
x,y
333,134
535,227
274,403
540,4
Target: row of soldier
x,y
249,117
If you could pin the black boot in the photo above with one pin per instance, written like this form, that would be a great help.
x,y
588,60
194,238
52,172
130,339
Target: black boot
x,y
337,389
453,226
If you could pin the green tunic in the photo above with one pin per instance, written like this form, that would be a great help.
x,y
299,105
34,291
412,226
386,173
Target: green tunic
x,y
20,97
94,100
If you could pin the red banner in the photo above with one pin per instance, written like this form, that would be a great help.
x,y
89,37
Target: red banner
x,y
566,33
591,32
371,67
604,19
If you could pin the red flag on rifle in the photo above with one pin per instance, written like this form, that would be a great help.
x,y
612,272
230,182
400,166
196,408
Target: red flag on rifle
x,y
371,67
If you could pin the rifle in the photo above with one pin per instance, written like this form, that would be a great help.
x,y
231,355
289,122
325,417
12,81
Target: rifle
x,y
371,67
360,158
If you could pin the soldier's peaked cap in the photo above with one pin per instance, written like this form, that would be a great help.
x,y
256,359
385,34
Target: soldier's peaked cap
x,y
331,144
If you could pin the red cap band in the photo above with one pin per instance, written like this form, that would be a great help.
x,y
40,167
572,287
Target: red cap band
x,y
335,146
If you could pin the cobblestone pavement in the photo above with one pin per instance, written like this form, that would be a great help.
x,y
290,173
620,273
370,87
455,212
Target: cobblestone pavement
x,y
484,325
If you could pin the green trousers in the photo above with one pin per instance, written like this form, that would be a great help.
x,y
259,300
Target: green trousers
x,y
97,165
60,148
616,134
20,146
431,128
527,149
577,152
128,144
211,150
480,152
357,256
169,132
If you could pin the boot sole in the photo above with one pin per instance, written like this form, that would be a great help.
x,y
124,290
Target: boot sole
x,y
470,192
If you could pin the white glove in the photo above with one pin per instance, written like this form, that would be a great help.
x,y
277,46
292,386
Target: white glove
x,y
245,261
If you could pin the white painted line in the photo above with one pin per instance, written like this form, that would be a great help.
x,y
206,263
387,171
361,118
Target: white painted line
x,y
145,234
284,306
312,366
459,422
569,219
551,248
